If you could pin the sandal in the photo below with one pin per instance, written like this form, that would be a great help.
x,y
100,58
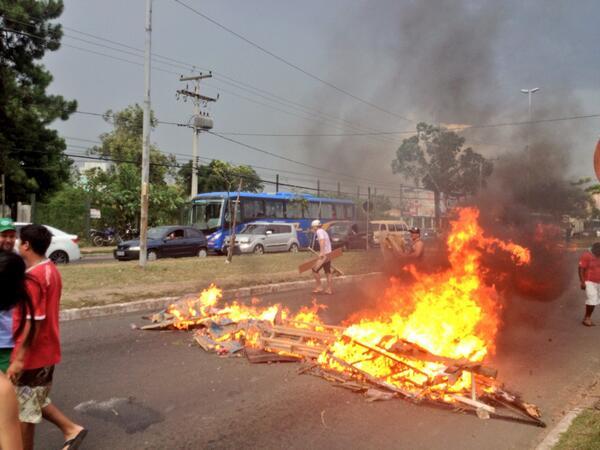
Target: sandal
x,y
74,443
588,323
317,291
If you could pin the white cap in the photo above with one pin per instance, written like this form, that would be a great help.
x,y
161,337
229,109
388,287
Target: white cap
x,y
315,223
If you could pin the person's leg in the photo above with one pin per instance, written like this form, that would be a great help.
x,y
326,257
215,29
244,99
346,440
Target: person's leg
x,y
589,309
317,277
329,274
593,294
54,415
10,430
27,434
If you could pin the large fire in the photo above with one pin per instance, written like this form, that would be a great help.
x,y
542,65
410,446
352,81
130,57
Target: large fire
x,y
450,314
424,341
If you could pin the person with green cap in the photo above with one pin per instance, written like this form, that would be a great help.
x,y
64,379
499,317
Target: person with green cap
x,y
8,236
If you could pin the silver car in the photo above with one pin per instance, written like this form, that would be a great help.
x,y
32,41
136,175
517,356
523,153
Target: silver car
x,y
261,237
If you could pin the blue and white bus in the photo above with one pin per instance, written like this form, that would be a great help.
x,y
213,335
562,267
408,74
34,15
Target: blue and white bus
x,y
210,213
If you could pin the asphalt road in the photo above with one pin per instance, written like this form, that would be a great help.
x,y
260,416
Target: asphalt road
x,y
153,390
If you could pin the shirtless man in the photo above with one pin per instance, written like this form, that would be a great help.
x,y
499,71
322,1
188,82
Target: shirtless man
x,y
418,247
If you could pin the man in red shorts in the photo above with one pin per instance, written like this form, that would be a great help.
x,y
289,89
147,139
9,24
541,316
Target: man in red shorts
x,y
32,368
589,277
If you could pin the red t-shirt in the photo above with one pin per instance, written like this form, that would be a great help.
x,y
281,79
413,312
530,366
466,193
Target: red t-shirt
x,y
591,264
44,287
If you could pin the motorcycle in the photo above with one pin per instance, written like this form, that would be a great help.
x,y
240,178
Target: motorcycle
x,y
108,236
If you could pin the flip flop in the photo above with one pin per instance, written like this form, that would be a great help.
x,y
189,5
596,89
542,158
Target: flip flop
x,y
588,324
317,291
74,443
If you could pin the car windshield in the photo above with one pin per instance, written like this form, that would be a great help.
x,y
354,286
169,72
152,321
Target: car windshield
x,y
206,215
254,229
339,229
157,232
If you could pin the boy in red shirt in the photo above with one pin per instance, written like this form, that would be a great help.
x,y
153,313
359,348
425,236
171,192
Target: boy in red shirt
x,y
589,277
31,369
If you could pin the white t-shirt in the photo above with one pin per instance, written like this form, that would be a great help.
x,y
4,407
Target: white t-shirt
x,y
323,236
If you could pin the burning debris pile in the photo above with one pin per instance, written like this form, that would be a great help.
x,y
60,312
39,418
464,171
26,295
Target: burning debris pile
x,y
426,342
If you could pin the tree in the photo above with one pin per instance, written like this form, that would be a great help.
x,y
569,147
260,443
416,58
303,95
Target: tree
x,y
31,155
436,159
116,190
220,176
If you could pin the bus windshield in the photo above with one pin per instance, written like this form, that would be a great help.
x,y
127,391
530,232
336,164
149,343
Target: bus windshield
x,y
206,215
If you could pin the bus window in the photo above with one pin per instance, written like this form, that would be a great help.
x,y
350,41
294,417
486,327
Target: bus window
x,y
293,210
314,210
327,211
274,209
228,216
349,211
253,208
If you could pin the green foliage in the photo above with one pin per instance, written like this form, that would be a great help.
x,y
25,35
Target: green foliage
x,y
436,159
66,210
116,191
220,176
31,154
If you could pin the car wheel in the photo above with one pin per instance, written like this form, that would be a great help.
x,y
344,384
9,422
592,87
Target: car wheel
x,y
259,250
152,255
59,257
202,253
294,248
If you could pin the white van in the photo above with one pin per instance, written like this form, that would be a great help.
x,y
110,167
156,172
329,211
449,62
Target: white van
x,y
384,227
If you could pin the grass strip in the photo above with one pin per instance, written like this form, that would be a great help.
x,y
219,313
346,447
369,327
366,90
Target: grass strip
x,y
583,434
104,283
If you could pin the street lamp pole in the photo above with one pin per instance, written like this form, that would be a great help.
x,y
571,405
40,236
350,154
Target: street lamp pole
x,y
529,93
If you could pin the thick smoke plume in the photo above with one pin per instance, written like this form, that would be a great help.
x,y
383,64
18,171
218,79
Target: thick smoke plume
x,y
452,62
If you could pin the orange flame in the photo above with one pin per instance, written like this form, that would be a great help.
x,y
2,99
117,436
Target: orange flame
x,y
451,314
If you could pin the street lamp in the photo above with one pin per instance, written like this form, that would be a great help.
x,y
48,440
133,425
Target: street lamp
x,y
529,92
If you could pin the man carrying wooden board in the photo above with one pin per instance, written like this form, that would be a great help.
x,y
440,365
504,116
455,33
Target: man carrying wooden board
x,y
324,260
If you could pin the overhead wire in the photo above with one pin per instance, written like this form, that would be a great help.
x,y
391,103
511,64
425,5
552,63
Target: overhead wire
x,y
290,64
172,165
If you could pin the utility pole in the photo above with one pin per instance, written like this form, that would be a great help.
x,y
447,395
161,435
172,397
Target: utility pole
x,y
3,194
146,140
277,183
368,213
199,122
318,188
339,189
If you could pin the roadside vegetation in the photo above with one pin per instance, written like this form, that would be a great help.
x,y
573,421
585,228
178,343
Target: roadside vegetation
x,y
114,282
583,434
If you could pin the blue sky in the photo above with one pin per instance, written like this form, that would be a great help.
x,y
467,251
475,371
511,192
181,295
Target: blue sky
x,y
447,61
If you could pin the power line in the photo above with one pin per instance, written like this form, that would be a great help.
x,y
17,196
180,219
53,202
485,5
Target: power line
x,y
229,133
226,79
290,64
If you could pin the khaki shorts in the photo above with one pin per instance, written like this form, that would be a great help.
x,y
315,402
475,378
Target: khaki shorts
x,y
33,389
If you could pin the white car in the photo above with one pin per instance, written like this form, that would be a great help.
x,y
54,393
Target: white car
x,y
64,247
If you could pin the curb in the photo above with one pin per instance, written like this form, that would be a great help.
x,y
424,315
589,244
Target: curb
x,y
163,302
553,436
